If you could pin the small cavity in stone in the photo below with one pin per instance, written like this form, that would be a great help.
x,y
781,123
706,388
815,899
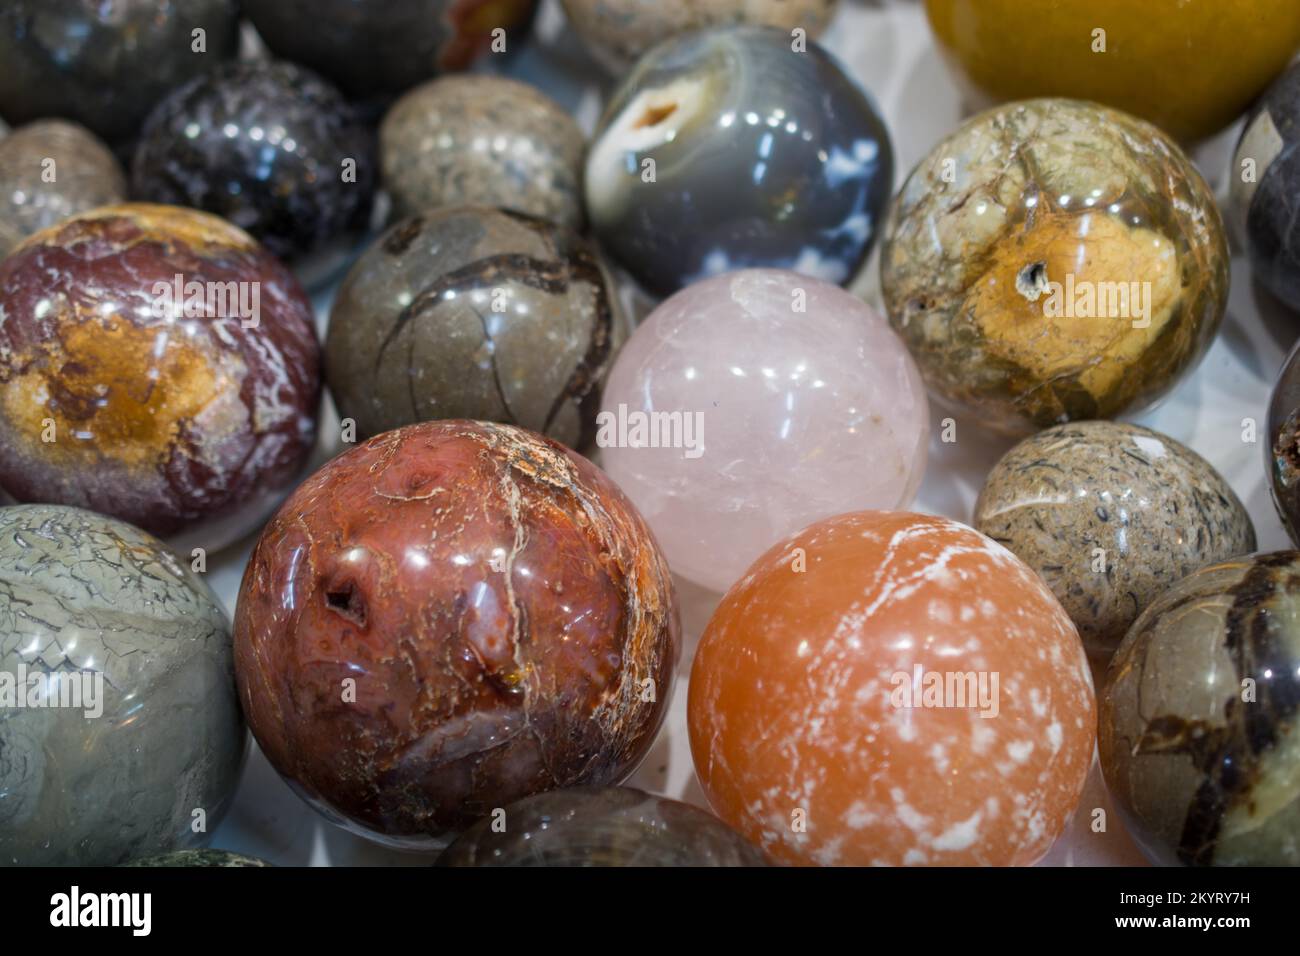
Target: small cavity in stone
x,y
1031,282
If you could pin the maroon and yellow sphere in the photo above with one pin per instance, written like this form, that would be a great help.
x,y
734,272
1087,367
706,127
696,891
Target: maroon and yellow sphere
x,y
156,365
447,618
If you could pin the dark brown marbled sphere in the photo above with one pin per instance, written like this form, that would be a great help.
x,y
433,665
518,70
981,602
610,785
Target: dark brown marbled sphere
x,y
176,414
447,618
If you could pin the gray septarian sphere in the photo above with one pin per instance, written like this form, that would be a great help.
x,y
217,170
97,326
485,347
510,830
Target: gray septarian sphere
x,y
727,149
605,826
120,729
471,312
1265,188
1199,718
208,858
104,64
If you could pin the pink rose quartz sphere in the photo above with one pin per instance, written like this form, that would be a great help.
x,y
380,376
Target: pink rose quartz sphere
x,y
752,404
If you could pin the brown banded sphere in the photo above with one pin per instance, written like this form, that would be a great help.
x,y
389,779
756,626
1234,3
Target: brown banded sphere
x,y
449,617
176,413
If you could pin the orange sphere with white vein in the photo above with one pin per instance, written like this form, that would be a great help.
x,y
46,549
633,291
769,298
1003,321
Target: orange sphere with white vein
x,y
885,688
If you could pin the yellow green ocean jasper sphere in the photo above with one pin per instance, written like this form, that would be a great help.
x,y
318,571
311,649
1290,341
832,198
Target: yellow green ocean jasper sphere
x,y
1054,260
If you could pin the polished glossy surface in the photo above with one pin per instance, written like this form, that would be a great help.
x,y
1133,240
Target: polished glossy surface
x,y
892,689
617,32
1282,454
1264,187
485,140
614,826
1189,66
187,858
181,412
139,642
1110,515
485,617
474,313
49,170
727,149
1053,261
732,418
105,64
1200,718
271,147
375,48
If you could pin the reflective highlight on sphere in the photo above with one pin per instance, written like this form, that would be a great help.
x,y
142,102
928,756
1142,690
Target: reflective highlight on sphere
x,y
1188,66
1264,183
86,175
921,696
140,647
1199,739
376,48
751,404
185,410
104,65
1110,515
469,312
483,140
270,147
614,826
447,618
726,149
1053,261
617,32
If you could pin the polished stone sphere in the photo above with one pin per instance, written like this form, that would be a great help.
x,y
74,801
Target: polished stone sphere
x,y
447,618
1053,261
157,365
752,404
726,149
885,688
120,731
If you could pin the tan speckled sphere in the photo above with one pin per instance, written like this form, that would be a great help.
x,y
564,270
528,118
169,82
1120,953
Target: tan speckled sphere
x,y
482,140
1110,514
1200,718
617,32
49,170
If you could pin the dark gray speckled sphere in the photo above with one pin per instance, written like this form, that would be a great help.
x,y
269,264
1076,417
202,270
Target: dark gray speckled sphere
x,y
1110,515
597,827
141,640
1266,204
762,157
102,64
470,312
271,147
210,858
